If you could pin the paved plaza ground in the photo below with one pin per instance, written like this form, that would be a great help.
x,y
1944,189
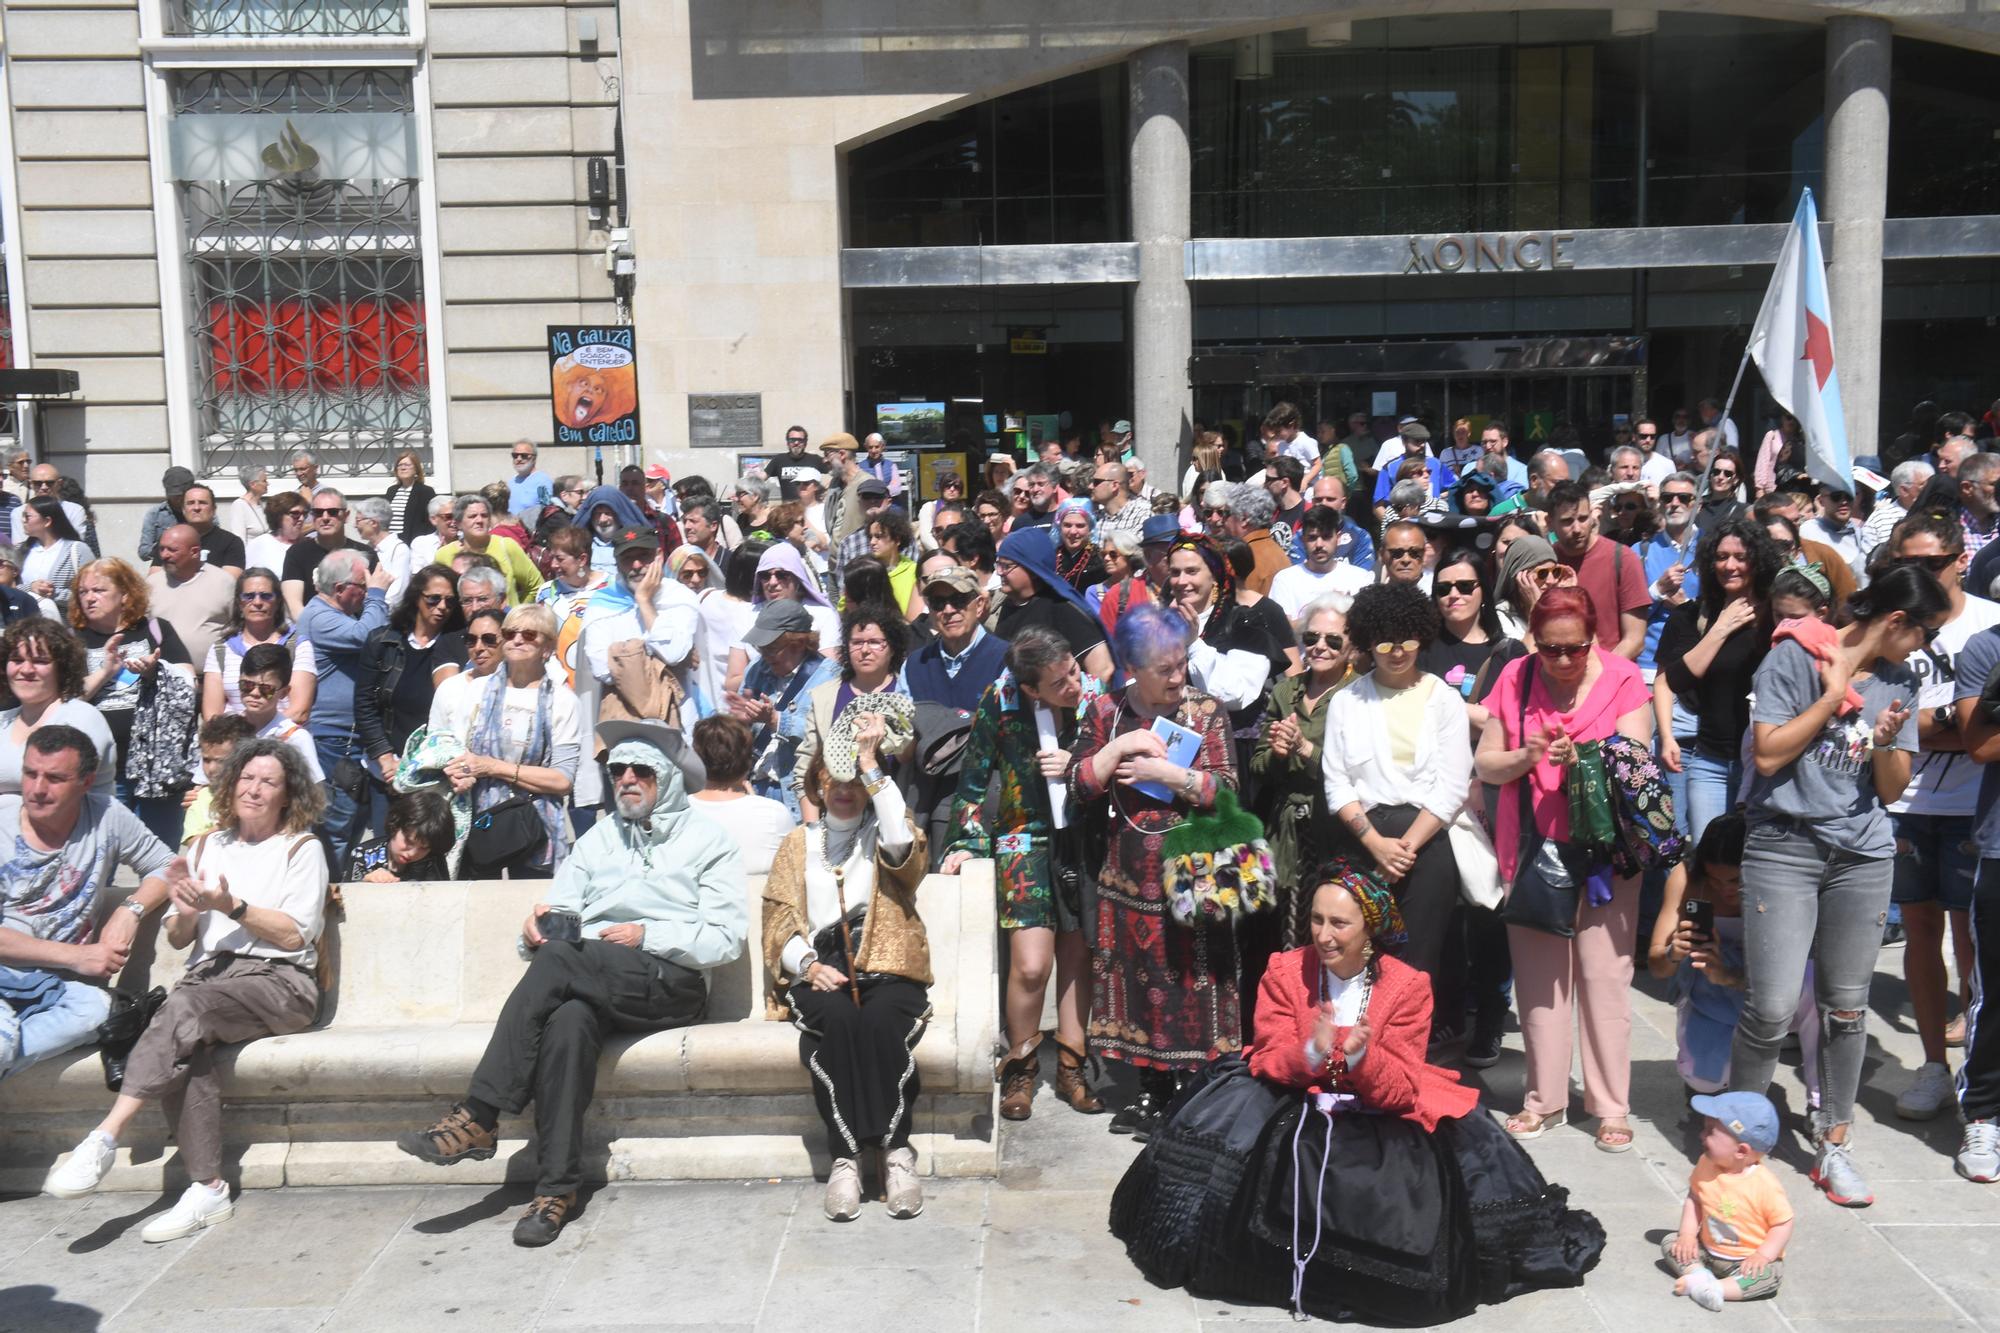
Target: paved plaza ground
x,y
1026,1251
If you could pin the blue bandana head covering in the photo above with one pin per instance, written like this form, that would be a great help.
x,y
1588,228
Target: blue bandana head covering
x,y
1034,550
614,499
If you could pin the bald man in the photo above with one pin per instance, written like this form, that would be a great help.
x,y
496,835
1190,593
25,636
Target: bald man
x,y
193,597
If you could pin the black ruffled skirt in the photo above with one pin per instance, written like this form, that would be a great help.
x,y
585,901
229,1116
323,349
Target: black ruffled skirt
x,y
1399,1227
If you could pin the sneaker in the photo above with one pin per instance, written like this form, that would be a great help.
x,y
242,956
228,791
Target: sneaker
x,y
79,1173
1483,1050
1979,1152
1927,1096
456,1138
199,1207
905,1187
543,1221
1834,1172
843,1190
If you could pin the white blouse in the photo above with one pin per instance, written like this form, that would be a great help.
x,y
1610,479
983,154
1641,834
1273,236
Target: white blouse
x,y
286,872
1358,761
890,833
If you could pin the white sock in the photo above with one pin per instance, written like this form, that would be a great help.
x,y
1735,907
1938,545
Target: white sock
x,y
1704,1289
102,1137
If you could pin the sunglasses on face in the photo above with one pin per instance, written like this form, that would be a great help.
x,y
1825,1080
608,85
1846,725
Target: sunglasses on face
x,y
1548,574
1463,587
256,597
1406,646
1682,498
519,457
643,772
1936,564
1562,651
1210,511
1649,435
45,485
1405,552
439,599
1631,509
1313,639
484,640
521,635
335,512
260,688
1102,481
952,601
1723,474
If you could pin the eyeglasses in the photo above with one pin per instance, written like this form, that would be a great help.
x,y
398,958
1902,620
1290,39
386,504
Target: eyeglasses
x,y
956,601
484,640
871,644
247,687
1406,646
1682,498
1404,552
322,512
1649,435
1312,639
1936,564
349,583
1463,587
1562,651
256,597
439,599
522,635
643,772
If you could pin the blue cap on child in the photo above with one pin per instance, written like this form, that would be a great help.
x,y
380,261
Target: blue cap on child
x,y
1748,1115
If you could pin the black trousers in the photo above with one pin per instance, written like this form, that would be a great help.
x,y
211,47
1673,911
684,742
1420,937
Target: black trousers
x,y
1979,1077
862,1058
545,1047
1428,895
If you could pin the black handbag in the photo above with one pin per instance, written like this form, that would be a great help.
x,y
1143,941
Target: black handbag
x,y
504,834
1543,896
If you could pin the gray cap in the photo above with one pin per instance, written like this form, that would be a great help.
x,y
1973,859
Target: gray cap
x,y
872,486
175,481
1523,554
1417,430
780,615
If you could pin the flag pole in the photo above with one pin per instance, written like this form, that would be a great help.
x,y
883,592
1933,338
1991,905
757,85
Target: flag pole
x,y
1721,436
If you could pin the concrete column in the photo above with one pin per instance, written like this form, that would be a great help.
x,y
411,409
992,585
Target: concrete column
x,y
1162,308
1857,195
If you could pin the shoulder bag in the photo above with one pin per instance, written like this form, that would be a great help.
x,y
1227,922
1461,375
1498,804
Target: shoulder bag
x,y
1547,874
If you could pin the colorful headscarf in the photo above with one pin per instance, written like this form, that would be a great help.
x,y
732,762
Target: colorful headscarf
x,y
1216,559
1380,916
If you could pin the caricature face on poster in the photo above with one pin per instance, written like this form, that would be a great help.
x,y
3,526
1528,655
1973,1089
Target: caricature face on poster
x,y
593,385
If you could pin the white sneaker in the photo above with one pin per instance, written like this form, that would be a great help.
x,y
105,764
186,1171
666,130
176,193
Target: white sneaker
x,y
199,1207
1979,1152
905,1187
1926,1096
843,1190
79,1173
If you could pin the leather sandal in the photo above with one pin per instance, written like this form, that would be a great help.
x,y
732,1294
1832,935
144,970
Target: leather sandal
x,y
1018,1073
1072,1085
1524,1126
1614,1136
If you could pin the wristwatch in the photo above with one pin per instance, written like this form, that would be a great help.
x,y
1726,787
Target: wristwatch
x,y
874,780
135,907
1943,718
236,912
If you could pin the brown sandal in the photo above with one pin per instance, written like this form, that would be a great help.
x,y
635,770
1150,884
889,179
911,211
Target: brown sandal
x,y
1071,1084
1018,1073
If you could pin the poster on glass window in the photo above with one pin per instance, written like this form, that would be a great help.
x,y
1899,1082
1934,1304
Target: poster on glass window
x,y
593,384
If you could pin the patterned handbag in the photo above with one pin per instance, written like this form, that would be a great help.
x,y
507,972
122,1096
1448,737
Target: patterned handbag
x,y
1642,809
162,754
1217,864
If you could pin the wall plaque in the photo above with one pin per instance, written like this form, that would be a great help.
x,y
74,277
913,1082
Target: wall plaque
x,y
726,420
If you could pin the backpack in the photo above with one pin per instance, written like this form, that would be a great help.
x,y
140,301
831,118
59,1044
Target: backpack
x,y
1642,809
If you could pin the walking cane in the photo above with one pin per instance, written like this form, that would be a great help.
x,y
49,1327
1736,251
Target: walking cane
x,y
846,935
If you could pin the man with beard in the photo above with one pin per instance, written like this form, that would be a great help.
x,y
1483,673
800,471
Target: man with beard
x,y
1323,572
796,464
641,603
646,904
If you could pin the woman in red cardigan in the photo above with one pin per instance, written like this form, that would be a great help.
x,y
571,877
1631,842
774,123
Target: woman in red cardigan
x,y
1336,1171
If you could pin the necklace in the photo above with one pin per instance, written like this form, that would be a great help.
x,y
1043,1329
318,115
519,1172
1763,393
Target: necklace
x,y
836,864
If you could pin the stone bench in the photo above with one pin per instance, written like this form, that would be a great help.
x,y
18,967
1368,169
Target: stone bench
x,y
421,971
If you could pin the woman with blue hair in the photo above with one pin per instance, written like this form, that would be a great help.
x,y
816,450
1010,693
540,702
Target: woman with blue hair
x,y
1166,993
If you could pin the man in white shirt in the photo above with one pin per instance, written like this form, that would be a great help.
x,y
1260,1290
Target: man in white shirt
x,y
371,522
444,531
644,603
1658,466
1324,572
1394,448
1712,419
1680,440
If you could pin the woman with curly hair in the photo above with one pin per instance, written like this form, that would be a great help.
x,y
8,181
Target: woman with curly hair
x,y
44,666
127,649
1398,766
1709,652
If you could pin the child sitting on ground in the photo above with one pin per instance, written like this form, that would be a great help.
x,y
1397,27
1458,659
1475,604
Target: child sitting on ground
x,y
1707,967
417,837
1736,1221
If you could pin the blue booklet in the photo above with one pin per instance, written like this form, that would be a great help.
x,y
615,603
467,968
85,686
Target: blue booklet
x,y
1182,747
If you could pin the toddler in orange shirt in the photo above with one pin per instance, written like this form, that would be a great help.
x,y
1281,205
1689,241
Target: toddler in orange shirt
x,y
1735,1223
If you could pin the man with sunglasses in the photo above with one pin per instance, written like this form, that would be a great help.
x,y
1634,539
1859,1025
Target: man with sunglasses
x,y
1246,512
1116,510
1934,820
798,464
1833,526
329,534
529,488
651,900
1658,465
1668,558
45,483
1401,557
961,659
1322,572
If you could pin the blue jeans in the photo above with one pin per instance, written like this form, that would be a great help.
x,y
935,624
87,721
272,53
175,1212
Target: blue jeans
x,y
162,815
70,1022
346,815
1677,783
1711,788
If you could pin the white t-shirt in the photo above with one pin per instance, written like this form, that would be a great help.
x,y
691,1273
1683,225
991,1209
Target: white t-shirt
x,y
1945,782
228,663
456,706
246,518
1392,449
1295,588
723,622
286,872
1656,469
758,824
266,552
280,728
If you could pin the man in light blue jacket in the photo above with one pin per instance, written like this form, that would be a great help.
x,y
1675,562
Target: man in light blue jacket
x,y
646,902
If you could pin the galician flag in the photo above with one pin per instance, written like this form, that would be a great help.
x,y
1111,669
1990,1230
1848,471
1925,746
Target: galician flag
x,y
1792,344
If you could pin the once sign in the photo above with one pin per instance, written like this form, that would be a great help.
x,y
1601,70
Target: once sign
x,y
1477,252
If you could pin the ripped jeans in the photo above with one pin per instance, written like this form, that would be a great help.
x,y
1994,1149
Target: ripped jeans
x,y
1802,900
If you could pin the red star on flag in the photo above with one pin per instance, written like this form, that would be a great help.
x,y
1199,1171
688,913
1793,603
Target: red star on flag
x,y
1818,349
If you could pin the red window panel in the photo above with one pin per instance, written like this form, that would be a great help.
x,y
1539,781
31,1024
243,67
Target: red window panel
x,y
258,349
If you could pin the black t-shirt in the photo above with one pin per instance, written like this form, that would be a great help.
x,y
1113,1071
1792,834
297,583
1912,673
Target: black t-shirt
x,y
449,650
1720,697
303,559
410,705
790,471
1447,652
1078,630
222,548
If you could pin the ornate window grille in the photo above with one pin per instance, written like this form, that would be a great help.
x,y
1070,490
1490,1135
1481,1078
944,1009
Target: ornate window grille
x,y
298,198
288,18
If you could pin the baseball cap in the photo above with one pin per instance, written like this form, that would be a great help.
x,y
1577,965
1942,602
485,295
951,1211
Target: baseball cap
x,y
1159,528
658,472
840,440
1747,1115
632,539
780,615
872,486
1121,427
176,480
958,578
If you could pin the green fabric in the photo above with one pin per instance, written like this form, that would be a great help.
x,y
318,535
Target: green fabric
x,y
1227,826
1591,822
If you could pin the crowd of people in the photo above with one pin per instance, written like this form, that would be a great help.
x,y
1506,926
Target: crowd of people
x,y
1509,716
